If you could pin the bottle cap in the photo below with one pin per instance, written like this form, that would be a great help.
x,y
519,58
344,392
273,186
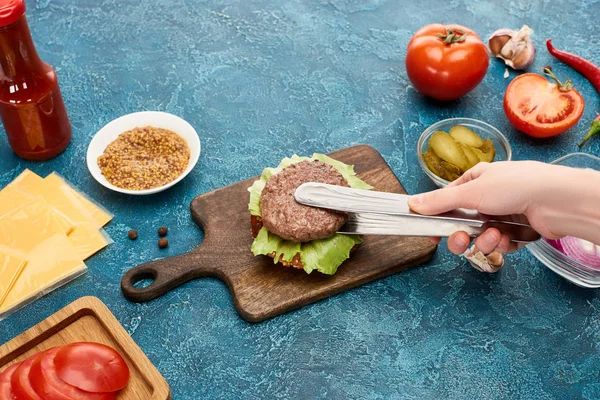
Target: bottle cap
x,y
11,11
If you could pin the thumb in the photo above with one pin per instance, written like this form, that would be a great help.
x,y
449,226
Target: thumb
x,y
471,174
447,199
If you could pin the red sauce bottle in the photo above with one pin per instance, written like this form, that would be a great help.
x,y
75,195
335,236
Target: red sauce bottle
x,y
31,106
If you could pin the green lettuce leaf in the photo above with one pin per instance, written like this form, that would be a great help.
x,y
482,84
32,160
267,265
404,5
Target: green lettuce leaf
x,y
347,171
267,242
324,255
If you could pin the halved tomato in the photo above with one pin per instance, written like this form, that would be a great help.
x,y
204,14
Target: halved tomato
x,y
20,383
50,387
6,392
540,108
92,367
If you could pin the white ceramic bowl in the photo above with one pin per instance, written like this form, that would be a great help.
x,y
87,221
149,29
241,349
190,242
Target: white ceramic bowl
x,y
157,119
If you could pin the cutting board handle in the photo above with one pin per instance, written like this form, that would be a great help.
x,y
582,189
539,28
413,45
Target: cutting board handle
x,y
166,274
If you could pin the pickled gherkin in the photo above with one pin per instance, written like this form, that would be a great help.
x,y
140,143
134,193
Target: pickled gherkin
x,y
434,163
448,150
452,172
481,155
466,136
470,154
489,150
451,154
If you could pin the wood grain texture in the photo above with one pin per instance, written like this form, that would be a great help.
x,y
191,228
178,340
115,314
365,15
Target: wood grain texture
x,y
260,289
89,320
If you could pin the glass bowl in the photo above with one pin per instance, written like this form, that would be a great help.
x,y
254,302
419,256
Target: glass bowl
x,y
570,269
486,131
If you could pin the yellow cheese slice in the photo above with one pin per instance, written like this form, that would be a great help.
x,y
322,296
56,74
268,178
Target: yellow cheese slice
x,y
24,228
85,235
60,201
87,240
81,226
15,196
12,198
47,229
11,266
53,262
101,216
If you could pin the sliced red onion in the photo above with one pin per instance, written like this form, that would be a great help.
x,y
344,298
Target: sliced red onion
x,y
555,243
587,253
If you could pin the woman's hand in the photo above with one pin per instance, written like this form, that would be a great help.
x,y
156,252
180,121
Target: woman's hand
x,y
549,195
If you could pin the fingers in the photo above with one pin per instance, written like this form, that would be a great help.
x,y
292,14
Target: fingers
x,y
435,240
447,199
459,242
491,241
504,245
488,241
514,247
470,175
486,254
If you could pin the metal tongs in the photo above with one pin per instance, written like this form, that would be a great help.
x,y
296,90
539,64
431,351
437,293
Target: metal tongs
x,y
381,213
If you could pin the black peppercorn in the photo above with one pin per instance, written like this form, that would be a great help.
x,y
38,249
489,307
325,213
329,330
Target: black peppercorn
x,y
163,243
162,231
132,234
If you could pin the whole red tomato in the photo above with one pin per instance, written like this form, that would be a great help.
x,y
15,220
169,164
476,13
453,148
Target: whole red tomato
x,y
446,61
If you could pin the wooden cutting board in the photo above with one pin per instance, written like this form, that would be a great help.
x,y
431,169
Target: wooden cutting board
x,y
89,320
260,289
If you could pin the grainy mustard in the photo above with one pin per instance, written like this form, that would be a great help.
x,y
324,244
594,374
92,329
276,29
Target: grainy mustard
x,y
144,158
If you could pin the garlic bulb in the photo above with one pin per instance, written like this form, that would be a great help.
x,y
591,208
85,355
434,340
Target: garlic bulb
x,y
490,263
514,47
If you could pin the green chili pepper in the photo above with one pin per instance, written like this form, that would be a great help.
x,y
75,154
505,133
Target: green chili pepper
x,y
594,129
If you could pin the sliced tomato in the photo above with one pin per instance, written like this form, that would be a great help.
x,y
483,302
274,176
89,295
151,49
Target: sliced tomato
x,y
20,383
540,108
6,392
49,386
92,367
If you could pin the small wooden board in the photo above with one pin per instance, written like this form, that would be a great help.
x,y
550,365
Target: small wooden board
x,y
89,320
260,289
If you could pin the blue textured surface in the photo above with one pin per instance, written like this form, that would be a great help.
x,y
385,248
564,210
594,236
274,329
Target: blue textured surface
x,y
261,80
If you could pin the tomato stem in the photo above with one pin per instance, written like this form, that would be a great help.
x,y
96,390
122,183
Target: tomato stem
x,y
563,87
453,36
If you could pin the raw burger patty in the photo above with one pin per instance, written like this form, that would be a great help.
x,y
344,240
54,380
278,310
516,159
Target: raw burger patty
x,y
283,216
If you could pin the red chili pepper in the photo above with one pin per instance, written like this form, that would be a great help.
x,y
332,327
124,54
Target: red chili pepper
x,y
594,129
580,64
